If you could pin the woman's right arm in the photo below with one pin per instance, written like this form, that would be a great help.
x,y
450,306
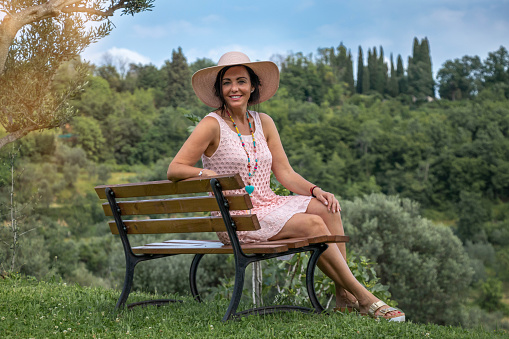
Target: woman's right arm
x,y
205,137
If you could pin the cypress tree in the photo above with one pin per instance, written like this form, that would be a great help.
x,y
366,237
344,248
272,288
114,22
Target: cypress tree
x,y
393,82
365,80
428,71
381,74
373,67
400,74
420,76
349,73
400,71
360,71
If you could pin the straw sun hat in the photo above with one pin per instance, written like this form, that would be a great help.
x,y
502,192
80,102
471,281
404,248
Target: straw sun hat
x,y
203,80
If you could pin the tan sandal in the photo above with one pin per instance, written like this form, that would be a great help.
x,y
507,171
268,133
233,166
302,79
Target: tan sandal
x,y
400,316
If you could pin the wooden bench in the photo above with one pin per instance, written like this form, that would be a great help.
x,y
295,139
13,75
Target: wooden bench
x,y
244,254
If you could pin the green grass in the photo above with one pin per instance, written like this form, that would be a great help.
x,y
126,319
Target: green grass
x,y
33,309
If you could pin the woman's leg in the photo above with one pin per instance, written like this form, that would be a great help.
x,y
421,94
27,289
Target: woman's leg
x,y
335,226
331,261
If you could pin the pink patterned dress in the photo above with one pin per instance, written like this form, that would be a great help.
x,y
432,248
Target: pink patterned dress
x,y
273,211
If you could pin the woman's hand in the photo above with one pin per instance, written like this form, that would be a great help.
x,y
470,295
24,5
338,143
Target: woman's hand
x,y
208,173
328,199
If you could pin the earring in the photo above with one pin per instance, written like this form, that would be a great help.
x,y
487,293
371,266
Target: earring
x,y
252,90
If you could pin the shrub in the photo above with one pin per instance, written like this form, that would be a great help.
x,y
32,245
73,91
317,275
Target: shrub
x,y
425,265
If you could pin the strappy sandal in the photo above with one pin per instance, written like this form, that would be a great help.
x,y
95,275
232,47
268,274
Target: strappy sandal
x,y
348,309
400,316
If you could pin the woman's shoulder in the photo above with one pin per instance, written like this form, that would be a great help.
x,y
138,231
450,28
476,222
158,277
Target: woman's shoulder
x,y
265,119
209,122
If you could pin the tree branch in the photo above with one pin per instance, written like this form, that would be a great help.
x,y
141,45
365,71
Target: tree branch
x,y
13,22
109,12
19,134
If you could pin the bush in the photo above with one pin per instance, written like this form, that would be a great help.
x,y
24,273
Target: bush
x,y
425,265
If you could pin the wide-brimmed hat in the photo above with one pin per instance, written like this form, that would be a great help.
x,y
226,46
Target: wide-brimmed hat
x,y
203,80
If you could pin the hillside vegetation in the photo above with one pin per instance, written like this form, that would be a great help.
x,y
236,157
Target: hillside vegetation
x,y
423,181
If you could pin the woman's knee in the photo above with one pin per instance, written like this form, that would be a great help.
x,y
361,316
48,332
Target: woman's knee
x,y
332,220
316,226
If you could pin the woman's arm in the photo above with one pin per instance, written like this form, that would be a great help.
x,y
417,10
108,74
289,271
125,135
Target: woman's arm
x,y
284,172
204,139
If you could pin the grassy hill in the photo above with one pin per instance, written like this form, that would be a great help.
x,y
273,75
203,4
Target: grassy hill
x,y
36,309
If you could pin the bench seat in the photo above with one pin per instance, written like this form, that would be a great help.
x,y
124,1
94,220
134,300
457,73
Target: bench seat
x,y
217,247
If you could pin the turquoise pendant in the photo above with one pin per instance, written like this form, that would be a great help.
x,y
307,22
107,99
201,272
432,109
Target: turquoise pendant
x,y
249,189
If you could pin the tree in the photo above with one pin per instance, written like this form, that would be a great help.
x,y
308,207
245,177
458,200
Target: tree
x,y
373,68
420,75
460,78
393,87
178,80
381,73
360,71
400,74
36,38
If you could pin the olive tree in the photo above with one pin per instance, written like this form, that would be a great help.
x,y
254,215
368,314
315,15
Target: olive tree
x,y
36,38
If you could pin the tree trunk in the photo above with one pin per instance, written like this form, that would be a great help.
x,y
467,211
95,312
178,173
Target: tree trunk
x,y
14,224
18,134
257,284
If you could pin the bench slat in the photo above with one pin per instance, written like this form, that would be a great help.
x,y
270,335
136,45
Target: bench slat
x,y
179,205
248,222
166,187
216,247
204,247
329,239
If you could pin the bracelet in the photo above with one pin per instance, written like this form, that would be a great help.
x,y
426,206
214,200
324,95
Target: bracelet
x,y
201,172
312,189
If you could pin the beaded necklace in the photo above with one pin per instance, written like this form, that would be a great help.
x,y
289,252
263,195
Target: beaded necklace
x,y
249,187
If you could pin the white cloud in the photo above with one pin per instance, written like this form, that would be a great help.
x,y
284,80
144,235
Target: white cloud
x,y
117,54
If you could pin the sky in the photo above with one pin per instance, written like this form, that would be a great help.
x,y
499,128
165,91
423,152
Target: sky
x,y
263,29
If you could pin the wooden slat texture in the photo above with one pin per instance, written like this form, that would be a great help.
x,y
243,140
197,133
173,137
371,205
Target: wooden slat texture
x,y
248,222
166,187
204,247
179,205
216,247
291,243
329,239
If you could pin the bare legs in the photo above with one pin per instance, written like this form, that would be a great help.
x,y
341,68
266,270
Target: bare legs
x,y
319,221
335,226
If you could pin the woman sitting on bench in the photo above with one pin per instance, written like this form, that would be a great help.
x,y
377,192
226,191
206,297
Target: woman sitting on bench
x,y
232,139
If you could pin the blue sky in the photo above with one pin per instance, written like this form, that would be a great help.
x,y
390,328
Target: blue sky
x,y
263,28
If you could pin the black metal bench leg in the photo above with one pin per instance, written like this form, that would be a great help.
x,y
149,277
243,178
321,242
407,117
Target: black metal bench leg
x,y
310,277
240,272
128,281
192,276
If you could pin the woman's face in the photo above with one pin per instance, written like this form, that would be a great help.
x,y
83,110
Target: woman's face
x,y
236,87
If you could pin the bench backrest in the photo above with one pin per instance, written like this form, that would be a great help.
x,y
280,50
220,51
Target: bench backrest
x,y
153,204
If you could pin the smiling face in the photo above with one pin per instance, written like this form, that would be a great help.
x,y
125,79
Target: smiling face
x,y
236,88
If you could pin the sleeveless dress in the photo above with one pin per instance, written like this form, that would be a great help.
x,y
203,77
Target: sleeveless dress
x,y
273,211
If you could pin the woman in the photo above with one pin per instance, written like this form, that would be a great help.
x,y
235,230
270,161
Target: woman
x,y
232,139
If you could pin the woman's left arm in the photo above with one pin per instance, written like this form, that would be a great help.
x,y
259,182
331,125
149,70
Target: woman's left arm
x,y
284,172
